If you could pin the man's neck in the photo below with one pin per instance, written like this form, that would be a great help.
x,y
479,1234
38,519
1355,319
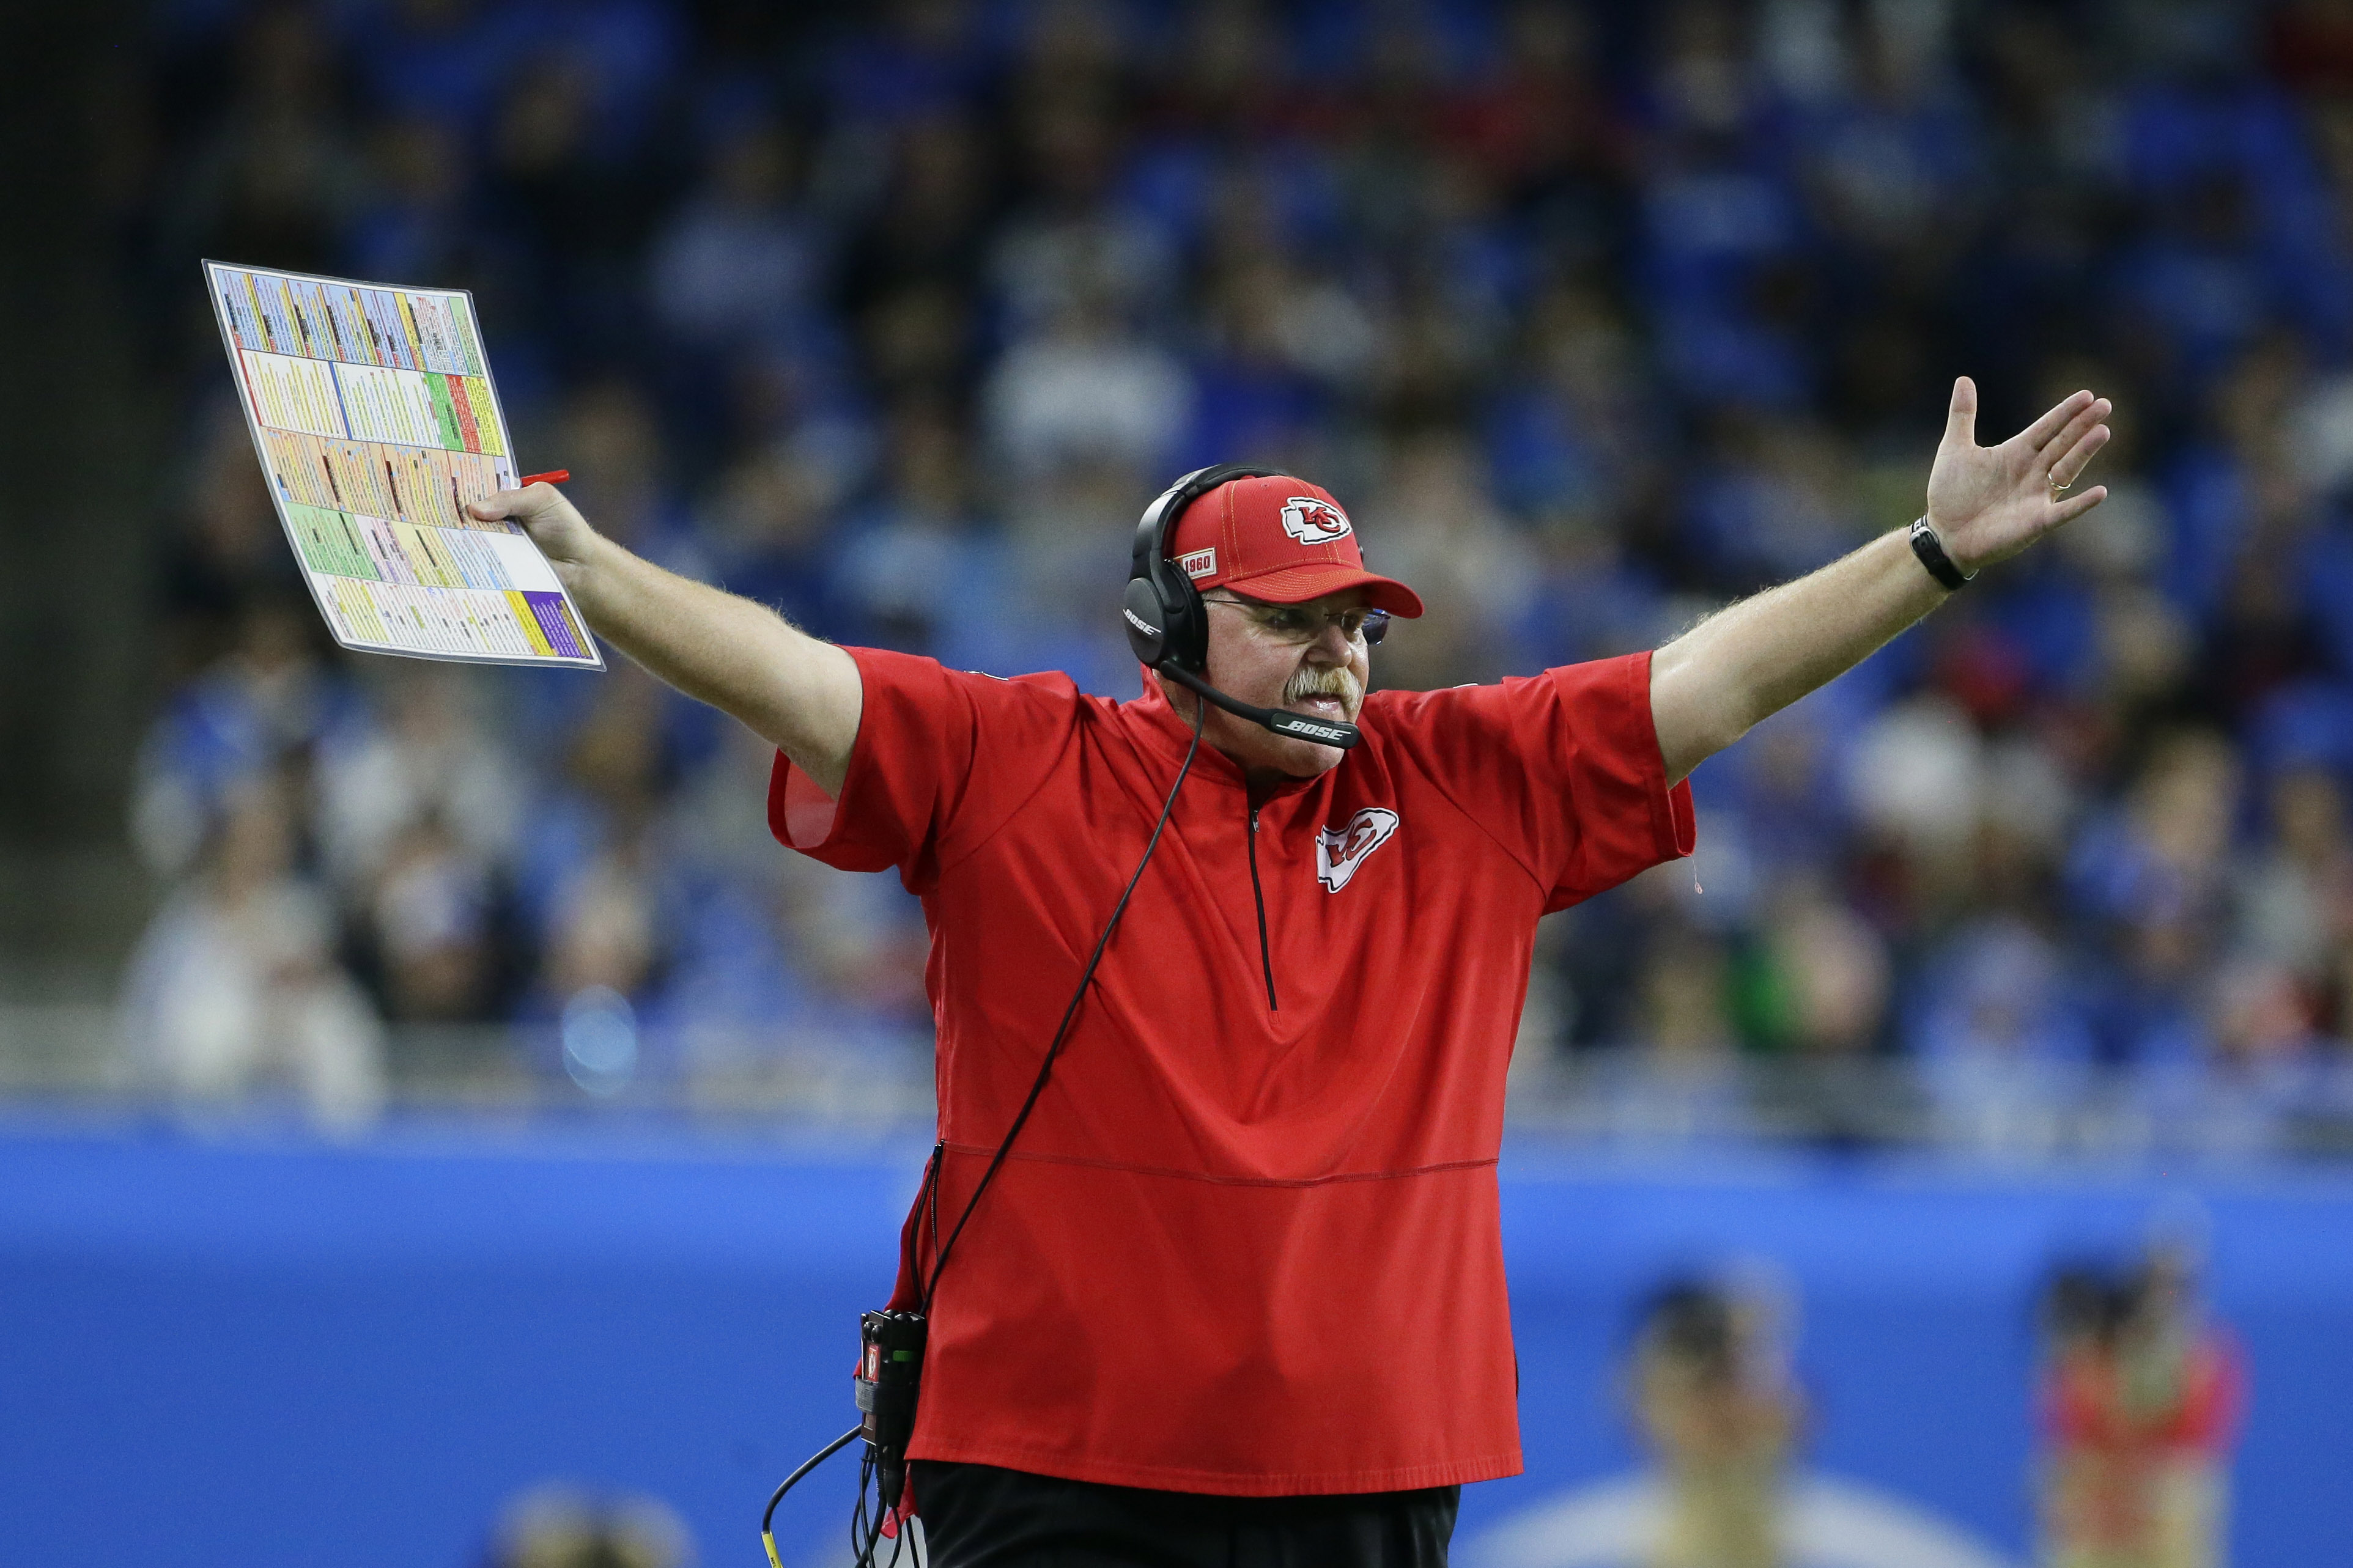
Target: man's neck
x,y
1262,779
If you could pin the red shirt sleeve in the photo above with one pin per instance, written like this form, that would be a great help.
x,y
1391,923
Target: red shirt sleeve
x,y
1562,769
942,757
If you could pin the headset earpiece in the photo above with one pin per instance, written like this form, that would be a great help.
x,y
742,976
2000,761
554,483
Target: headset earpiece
x,y
1165,619
1147,619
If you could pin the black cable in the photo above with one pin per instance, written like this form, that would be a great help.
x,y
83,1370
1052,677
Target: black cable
x,y
1054,1047
861,1540
767,1518
863,1537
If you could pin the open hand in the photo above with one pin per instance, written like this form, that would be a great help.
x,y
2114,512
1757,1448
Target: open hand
x,y
1987,503
555,525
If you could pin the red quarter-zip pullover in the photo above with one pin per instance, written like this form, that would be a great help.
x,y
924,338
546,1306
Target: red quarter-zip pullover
x,y
1248,1242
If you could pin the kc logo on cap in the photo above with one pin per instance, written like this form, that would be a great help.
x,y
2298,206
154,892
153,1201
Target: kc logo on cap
x,y
1313,522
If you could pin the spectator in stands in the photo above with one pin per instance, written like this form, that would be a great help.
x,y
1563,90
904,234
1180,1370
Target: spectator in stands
x,y
2007,1047
2154,879
262,708
1687,1088
234,988
225,551
2286,888
1474,569
429,756
739,260
430,926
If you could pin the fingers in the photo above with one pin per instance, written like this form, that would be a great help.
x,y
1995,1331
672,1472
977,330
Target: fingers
x,y
2037,434
2085,420
1961,421
523,504
2074,507
2070,466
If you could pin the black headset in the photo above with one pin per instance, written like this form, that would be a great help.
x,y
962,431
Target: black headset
x,y
1168,621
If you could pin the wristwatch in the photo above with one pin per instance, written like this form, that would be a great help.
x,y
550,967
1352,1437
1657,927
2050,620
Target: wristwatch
x,y
1931,552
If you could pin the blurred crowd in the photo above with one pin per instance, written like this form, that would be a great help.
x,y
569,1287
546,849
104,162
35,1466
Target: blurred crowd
x,y
1595,316
2141,1393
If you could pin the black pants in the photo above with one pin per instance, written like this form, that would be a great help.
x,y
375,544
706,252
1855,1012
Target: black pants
x,y
977,1515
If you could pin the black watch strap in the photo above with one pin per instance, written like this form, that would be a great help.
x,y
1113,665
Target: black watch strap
x,y
1931,552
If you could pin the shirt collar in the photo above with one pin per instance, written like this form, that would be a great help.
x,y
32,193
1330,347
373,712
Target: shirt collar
x,y
1156,723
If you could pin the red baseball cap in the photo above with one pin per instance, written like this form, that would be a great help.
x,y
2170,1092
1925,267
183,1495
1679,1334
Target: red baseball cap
x,y
1282,540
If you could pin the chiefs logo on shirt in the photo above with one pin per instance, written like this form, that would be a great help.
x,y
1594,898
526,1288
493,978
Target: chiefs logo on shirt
x,y
1340,850
1313,522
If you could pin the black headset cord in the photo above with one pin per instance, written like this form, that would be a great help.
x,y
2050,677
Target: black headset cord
x,y
768,1516
1061,1030
931,1178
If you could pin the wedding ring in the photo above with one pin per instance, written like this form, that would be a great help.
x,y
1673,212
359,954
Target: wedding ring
x,y
2058,490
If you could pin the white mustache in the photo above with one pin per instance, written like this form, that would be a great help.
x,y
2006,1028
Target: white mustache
x,y
1327,680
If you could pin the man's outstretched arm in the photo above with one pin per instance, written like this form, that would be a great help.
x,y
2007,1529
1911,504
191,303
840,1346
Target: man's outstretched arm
x,y
787,686
1710,685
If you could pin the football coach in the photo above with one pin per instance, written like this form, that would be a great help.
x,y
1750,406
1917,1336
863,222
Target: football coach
x,y
1236,1296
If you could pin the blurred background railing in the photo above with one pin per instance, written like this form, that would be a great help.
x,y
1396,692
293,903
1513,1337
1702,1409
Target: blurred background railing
x,y
67,1057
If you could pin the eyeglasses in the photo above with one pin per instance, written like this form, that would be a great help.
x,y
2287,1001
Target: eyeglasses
x,y
1299,624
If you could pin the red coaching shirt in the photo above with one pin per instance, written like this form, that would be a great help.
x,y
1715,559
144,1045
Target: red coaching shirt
x,y
1249,1242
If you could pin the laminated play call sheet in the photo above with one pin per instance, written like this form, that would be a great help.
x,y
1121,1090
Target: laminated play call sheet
x,y
376,420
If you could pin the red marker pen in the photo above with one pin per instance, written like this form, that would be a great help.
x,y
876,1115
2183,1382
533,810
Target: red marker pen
x,y
552,477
